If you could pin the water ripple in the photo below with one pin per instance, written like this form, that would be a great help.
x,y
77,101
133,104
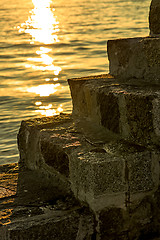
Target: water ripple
x,y
36,54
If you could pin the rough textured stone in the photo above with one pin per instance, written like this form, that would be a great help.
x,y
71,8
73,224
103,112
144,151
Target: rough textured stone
x,y
34,212
137,222
142,219
46,226
110,175
135,58
114,177
112,224
98,179
126,109
140,116
35,156
110,107
83,95
28,138
98,167
106,156
24,217
154,19
138,181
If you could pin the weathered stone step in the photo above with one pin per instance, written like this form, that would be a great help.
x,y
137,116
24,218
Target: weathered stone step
x,y
37,212
127,109
49,226
45,223
106,156
32,216
80,157
137,58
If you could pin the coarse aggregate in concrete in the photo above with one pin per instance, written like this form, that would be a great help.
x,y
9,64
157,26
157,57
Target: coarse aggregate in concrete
x,y
30,211
137,58
127,109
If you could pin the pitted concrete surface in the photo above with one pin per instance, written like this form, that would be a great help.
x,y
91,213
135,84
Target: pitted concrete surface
x,y
29,211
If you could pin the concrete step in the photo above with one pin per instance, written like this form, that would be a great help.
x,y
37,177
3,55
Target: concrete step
x,y
33,213
29,209
62,158
127,109
137,58
80,157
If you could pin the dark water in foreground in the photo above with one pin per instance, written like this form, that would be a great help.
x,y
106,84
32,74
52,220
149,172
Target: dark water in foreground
x,y
43,43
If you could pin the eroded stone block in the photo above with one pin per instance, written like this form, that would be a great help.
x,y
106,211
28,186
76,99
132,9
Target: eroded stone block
x,y
99,168
41,155
126,110
97,178
140,117
97,173
29,137
113,224
42,227
143,172
109,111
133,223
137,58
113,176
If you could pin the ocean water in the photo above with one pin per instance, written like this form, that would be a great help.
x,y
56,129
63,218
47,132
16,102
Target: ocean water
x,y
45,42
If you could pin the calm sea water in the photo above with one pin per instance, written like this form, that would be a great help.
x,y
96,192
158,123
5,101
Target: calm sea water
x,y
45,42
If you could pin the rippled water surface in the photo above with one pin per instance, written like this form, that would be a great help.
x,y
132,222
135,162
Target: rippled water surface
x,y
45,42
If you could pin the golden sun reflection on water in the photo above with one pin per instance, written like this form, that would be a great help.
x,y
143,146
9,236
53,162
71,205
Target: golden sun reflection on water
x,y
41,24
48,110
44,90
43,28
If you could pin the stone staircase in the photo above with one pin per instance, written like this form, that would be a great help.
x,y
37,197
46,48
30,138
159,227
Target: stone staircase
x,y
104,157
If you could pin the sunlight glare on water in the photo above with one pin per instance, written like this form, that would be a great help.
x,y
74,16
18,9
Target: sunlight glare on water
x,y
45,42
41,24
42,27
44,90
